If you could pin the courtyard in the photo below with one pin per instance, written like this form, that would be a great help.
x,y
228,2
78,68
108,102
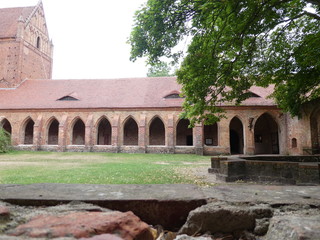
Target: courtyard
x,y
102,168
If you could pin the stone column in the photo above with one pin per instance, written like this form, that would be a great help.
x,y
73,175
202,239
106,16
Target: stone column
x,y
88,141
37,133
224,135
198,138
115,141
248,131
142,133
170,138
63,131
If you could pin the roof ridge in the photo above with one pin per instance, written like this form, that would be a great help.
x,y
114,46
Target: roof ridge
x,y
35,8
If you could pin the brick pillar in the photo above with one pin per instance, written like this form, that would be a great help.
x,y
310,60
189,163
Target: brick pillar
x,y
142,133
198,138
170,139
37,133
248,131
63,131
224,135
115,140
88,141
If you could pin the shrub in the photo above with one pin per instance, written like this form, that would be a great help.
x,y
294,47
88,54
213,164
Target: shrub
x,y
5,141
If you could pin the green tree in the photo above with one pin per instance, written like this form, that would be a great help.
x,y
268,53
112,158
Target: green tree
x,y
160,69
4,141
235,45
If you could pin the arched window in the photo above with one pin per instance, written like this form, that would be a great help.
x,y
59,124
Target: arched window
x,y
104,132
5,124
156,132
38,42
294,143
28,132
130,132
53,132
184,133
78,133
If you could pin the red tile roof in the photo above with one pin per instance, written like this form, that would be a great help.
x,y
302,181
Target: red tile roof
x,y
107,93
9,20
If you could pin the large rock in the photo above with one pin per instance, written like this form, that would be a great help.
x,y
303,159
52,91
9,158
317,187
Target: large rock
x,y
220,217
294,228
84,225
186,237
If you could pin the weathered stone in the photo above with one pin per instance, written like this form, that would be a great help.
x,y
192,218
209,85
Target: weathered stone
x,y
262,226
294,228
186,237
103,237
218,217
84,225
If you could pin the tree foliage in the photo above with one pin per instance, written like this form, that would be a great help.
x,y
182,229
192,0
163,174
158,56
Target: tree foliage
x,y
5,141
235,45
161,69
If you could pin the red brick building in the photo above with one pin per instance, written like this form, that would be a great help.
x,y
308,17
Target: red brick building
x,y
126,115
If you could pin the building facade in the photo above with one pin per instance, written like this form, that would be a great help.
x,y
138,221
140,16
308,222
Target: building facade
x,y
126,115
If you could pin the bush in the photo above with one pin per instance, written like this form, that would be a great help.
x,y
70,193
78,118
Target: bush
x,y
5,141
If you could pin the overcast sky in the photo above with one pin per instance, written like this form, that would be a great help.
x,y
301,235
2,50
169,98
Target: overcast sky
x,y
89,37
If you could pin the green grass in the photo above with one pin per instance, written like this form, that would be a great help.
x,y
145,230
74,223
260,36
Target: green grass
x,y
97,168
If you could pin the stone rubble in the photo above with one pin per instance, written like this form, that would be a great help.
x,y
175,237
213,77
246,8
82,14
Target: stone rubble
x,y
218,220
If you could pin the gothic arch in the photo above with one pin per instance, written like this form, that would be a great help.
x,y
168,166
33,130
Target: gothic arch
x,y
130,131
52,131
103,131
6,125
157,132
184,134
78,130
266,135
236,136
27,131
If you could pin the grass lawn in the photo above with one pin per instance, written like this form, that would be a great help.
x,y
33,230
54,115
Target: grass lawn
x,y
98,168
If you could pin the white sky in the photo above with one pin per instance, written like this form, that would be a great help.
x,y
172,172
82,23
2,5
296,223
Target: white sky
x,y
89,37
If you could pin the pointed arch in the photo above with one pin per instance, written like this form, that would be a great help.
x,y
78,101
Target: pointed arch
x,y
6,125
266,135
236,136
210,134
53,131
130,132
157,133
28,129
104,131
184,134
78,132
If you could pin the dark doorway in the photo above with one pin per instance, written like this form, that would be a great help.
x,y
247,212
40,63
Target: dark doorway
x,y
236,136
130,132
184,133
157,132
315,131
53,133
78,133
210,134
28,132
266,135
104,132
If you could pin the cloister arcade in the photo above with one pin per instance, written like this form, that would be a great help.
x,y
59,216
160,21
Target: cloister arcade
x,y
163,133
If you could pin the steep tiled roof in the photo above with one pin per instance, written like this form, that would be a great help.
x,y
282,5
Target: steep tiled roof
x,y
108,93
9,20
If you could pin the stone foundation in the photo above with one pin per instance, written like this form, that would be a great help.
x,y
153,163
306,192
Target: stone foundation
x,y
290,170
